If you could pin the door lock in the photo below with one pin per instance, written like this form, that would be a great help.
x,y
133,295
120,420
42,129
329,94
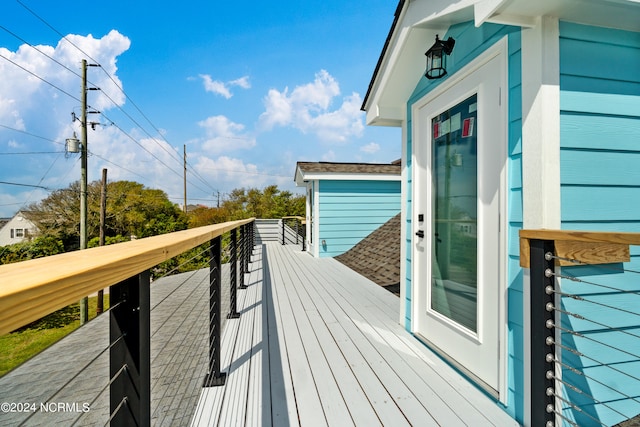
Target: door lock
x,y
420,233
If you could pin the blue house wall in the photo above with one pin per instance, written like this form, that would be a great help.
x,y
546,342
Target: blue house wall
x,y
350,210
472,41
600,190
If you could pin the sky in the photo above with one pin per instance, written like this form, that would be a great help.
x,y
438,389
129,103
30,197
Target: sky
x,y
249,88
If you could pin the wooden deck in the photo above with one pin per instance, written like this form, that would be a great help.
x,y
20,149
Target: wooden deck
x,y
318,344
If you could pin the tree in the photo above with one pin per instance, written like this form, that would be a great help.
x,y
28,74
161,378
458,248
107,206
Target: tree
x,y
132,210
244,203
37,247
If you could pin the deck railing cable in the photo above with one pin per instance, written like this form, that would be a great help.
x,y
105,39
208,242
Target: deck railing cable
x,y
585,332
166,369
130,329
293,231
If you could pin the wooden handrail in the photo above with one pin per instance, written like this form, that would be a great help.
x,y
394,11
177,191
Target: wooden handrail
x,y
293,216
589,247
32,289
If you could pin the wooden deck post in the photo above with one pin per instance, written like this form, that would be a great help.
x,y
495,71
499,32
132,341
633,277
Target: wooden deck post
x,y
129,356
542,334
214,377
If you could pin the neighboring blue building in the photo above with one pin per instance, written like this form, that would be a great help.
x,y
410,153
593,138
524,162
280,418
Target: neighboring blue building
x,y
346,202
535,125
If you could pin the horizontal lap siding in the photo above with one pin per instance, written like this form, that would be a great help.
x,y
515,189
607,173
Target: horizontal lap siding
x,y
515,312
600,190
351,210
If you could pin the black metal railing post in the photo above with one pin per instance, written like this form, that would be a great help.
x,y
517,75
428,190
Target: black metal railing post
x,y
251,238
247,247
542,334
214,377
282,230
233,276
243,256
297,230
129,355
304,237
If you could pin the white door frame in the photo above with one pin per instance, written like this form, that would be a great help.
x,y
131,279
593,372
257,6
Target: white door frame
x,y
498,50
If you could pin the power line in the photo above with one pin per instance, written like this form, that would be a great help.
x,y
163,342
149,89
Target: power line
x,y
31,152
134,121
30,134
25,185
40,78
121,90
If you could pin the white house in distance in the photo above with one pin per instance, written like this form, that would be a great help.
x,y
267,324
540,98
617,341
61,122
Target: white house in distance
x,y
346,202
17,230
536,124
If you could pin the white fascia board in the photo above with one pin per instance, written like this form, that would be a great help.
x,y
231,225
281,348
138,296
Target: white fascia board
x,y
299,178
514,20
384,116
483,10
329,176
620,14
396,79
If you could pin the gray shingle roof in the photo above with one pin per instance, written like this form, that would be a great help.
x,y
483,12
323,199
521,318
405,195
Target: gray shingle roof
x,y
377,256
330,167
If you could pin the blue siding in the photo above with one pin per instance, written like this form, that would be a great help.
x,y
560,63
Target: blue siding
x,y
600,190
351,210
470,43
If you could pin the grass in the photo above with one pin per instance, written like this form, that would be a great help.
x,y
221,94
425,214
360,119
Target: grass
x,y
21,345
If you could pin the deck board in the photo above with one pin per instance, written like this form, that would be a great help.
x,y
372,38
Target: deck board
x,y
327,350
376,371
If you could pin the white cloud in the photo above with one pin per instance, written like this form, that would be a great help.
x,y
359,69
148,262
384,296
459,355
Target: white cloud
x,y
242,82
308,109
229,172
329,156
37,95
370,148
221,88
46,86
223,135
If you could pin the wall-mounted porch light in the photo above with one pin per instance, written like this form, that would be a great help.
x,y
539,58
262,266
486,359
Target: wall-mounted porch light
x,y
437,58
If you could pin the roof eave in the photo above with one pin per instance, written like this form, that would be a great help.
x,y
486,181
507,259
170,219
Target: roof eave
x,y
401,64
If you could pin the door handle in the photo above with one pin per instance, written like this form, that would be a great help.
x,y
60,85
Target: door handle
x,y
420,233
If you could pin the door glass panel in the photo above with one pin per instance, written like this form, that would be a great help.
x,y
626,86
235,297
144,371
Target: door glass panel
x,y
454,276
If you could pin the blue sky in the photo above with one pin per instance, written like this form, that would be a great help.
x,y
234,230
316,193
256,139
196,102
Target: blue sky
x,y
249,87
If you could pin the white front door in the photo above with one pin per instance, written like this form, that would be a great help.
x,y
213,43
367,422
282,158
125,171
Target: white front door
x,y
459,145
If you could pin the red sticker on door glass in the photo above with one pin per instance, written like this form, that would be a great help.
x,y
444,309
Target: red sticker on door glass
x,y
436,130
467,127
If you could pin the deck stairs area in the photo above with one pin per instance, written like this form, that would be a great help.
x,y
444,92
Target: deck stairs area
x,y
268,230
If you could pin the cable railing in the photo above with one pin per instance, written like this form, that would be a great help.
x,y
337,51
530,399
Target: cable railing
x,y
293,231
585,327
54,282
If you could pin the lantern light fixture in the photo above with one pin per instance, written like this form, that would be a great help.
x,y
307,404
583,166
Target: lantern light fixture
x,y
437,58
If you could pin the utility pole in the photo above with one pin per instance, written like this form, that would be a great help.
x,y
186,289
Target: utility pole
x,y
185,179
84,302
